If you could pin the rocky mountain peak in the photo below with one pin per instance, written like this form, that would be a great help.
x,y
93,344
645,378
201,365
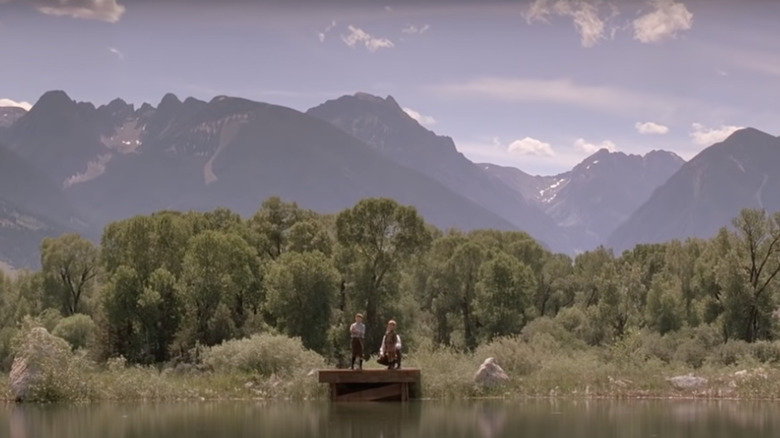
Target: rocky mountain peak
x,y
168,102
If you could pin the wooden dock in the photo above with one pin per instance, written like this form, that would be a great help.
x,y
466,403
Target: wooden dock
x,y
372,384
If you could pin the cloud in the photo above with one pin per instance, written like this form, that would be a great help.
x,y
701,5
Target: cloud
x,y
421,119
411,29
526,155
608,99
8,102
117,52
762,62
584,14
357,35
651,128
531,146
101,10
321,35
591,148
665,22
704,136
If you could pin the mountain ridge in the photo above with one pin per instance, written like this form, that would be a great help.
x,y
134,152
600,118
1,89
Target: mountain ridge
x,y
228,152
708,192
598,194
83,165
384,125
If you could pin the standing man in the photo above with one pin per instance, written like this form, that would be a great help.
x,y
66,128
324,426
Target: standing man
x,y
357,332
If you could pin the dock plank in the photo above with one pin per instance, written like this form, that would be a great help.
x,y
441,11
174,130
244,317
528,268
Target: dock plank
x,y
371,384
373,394
408,375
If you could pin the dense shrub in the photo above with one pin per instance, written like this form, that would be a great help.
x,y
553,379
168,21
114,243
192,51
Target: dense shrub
x,y
730,353
513,354
6,352
77,329
447,373
263,354
563,329
691,352
766,351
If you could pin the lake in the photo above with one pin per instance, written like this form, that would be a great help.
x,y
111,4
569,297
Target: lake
x,y
430,419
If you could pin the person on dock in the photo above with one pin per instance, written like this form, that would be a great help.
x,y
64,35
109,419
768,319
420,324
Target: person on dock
x,y
390,350
357,332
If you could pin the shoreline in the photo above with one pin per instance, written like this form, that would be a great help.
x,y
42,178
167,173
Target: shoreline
x,y
111,388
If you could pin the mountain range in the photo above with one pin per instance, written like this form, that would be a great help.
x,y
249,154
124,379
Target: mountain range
x,y
72,166
597,195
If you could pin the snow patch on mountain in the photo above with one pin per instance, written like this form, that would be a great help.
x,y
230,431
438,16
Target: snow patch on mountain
x,y
127,137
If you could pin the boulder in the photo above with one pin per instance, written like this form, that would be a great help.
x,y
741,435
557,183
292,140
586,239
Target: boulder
x,y
40,361
22,376
490,374
687,382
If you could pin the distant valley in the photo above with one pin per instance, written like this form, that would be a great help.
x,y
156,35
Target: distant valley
x,y
73,166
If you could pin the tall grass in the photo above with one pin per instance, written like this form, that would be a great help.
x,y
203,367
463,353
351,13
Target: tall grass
x,y
540,364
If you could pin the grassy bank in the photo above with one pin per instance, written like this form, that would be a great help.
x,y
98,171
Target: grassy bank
x,y
274,367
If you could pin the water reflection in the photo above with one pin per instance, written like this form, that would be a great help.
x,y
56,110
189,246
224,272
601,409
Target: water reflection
x,y
479,419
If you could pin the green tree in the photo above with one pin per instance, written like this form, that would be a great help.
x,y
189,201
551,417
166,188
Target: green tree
x,y
759,251
272,224
219,273
28,296
309,235
6,295
147,243
462,270
69,264
160,312
120,331
503,297
300,292
665,307
554,290
377,236
434,295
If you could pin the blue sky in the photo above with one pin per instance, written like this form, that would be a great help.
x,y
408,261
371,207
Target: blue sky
x,y
538,85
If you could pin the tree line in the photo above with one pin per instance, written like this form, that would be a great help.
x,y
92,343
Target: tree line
x,y
157,287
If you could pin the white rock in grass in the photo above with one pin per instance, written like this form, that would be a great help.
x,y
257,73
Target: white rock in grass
x,y
490,374
687,382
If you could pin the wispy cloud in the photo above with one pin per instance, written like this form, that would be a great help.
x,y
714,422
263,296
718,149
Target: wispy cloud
x,y
586,15
704,136
411,29
117,52
651,128
102,10
608,99
757,61
420,118
531,146
665,22
591,148
8,102
321,35
358,36
524,153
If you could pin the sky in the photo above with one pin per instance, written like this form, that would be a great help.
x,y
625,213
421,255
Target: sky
x,y
537,84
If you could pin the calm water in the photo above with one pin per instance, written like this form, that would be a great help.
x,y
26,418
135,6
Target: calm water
x,y
549,419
